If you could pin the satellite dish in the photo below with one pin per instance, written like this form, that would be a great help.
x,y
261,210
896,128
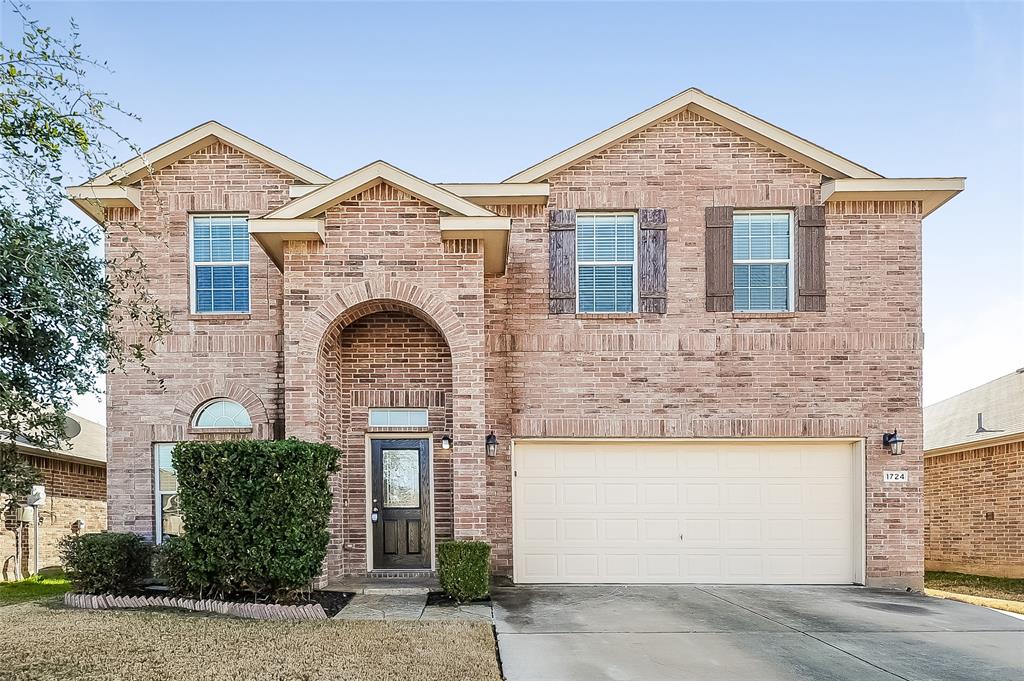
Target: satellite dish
x,y
71,427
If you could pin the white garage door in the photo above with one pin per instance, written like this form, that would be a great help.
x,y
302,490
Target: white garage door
x,y
712,512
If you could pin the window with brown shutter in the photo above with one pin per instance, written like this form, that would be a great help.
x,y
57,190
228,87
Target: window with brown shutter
x,y
718,258
810,260
562,261
653,259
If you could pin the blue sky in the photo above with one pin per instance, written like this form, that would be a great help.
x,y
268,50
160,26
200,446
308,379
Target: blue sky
x,y
476,92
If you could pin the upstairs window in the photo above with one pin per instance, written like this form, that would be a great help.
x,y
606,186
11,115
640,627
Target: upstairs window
x,y
606,262
222,414
220,263
762,257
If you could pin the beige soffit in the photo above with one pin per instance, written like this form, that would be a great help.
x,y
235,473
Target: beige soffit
x,y
932,192
94,198
192,141
500,193
492,231
737,120
271,234
345,187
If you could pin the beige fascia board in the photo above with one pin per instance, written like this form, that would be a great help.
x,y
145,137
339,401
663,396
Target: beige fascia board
x,y
93,199
932,192
735,119
976,444
492,231
500,193
297,191
198,138
271,234
317,201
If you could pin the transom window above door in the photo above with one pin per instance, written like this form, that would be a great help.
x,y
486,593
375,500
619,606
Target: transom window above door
x,y
762,256
398,418
220,264
606,262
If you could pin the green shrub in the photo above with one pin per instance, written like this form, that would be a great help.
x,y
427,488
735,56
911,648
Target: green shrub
x,y
463,568
169,566
105,563
255,516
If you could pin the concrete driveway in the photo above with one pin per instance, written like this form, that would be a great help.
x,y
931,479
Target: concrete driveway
x,y
763,633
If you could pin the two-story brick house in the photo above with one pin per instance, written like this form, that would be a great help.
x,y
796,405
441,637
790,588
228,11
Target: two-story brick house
x,y
666,354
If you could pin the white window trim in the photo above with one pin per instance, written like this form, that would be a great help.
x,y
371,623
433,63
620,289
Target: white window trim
x,y
634,262
157,493
791,261
217,400
194,303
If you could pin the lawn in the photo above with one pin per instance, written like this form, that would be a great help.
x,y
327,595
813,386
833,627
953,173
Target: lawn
x,y
975,585
44,640
31,589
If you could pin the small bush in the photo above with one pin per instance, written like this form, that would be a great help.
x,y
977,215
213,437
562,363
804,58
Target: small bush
x,y
463,568
171,568
255,516
105,563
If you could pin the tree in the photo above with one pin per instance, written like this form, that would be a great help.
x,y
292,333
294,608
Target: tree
x,y
16,479
61,303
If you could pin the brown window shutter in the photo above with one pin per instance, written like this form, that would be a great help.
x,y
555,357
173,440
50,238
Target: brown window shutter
x,y
718,258
653,259
810,258
562,261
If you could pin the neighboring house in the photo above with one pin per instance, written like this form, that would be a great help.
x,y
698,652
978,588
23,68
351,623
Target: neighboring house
x,y
682,338
75,479
974,480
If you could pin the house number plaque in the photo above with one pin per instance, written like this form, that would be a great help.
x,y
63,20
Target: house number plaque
x,y
896,476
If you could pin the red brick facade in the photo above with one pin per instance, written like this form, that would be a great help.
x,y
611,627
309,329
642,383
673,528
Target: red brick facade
x,y
385,313
974,510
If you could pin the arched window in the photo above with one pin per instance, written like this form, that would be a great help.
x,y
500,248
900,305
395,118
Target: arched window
x,y
222,414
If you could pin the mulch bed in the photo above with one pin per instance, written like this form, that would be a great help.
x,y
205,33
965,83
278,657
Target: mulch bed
x,y
443,600
331,601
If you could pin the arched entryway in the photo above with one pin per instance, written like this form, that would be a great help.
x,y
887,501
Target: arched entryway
x,y
384,344
387,391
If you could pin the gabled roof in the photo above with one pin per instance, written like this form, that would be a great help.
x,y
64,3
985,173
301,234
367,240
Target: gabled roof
x,y
198,138
952,424
357,181
87,442
739,121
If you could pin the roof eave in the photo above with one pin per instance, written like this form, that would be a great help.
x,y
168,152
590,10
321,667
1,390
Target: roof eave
x,y
932,192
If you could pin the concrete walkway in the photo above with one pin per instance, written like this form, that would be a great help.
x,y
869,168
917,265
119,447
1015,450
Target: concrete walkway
x,y
724,633
374,606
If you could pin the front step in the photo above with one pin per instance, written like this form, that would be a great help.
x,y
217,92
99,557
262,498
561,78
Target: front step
x,y
423,582
400,574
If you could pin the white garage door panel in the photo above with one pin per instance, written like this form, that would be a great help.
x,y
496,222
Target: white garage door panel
x,y
755,513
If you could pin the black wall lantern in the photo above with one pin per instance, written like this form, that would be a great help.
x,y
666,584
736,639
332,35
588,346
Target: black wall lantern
x,y
893,441
446,442
491,443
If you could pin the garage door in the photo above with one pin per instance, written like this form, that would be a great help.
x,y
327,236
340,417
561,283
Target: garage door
x,y
660,512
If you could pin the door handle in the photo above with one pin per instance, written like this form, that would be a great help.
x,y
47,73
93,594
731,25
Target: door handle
x,y
375,513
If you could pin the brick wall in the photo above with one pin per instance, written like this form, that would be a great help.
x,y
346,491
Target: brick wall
x,y
974,511
74,491
854,370
202,357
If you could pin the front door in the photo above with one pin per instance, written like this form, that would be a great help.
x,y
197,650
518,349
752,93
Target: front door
x,y
400,504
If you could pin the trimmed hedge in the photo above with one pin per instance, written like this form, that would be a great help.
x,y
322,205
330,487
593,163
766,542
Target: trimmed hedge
x,y
255,517
463,569
105,563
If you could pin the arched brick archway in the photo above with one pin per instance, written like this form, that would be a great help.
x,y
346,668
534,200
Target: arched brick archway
x,y
305,383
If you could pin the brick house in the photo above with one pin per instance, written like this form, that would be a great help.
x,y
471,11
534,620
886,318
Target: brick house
x,y
657,356
75,479
974,480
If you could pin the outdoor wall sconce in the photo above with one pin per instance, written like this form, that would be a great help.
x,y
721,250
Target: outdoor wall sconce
x,y
893,441
446,442
492,444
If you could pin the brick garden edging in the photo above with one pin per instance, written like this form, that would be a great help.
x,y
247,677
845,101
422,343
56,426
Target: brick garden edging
x,y
253,611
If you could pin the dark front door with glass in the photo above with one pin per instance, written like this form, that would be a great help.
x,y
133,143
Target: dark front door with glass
x,y
400,504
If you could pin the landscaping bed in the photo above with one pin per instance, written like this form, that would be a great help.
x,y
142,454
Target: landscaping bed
x,y
440,598
43,640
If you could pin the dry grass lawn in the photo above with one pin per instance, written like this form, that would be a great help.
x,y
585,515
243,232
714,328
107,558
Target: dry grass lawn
x,y
44,640
976,585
